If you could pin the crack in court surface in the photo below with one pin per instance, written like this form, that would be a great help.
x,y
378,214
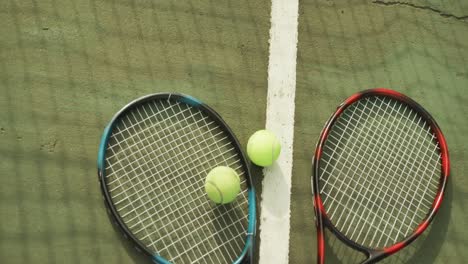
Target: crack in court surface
x,y
440,12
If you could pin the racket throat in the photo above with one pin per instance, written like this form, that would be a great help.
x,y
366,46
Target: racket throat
x,y
374,256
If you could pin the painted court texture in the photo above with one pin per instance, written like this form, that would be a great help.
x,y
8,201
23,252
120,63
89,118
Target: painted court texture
x,y
67,66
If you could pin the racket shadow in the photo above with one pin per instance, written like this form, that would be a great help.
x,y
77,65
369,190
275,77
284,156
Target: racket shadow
x,y
423,250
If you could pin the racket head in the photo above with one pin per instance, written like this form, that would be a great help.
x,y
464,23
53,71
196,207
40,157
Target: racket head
x,y
322,212
193,107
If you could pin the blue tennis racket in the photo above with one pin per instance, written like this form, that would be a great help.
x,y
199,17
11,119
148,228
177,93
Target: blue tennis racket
x,y
153,159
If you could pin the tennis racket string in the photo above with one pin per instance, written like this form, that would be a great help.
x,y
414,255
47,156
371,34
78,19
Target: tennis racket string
x,y
380,169
159,155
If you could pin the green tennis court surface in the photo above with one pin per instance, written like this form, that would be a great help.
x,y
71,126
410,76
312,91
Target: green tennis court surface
x,y
67,66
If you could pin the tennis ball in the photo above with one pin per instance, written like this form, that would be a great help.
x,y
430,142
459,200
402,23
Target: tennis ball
x,y
222,185
263,148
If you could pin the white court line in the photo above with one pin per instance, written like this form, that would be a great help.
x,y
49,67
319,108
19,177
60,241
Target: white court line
x,y
276,194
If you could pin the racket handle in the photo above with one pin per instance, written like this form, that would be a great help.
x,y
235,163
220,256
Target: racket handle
x,y
320,230
320,244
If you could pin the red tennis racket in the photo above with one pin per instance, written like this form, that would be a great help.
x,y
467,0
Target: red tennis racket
x,y
379,173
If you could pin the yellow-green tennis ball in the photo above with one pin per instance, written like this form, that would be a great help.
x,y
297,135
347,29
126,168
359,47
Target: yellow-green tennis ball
x,y
222,185
263,148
